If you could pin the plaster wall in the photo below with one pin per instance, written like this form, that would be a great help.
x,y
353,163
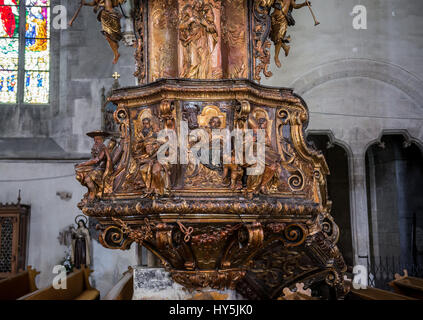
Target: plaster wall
x,y
39,182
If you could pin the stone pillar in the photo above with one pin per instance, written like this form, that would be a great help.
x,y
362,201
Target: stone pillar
x,y
374,227
405,215
151,260
359,218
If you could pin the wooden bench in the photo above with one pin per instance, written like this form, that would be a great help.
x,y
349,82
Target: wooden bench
x,y
376,294
371,293
124,289
18,285
408,286
77,288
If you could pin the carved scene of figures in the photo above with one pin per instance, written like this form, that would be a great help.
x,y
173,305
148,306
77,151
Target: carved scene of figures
x,y
215,159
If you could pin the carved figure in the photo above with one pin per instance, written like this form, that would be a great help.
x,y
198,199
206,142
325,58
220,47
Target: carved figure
x,y
272,159
81,242
196,29
281,19
92,173
110,22
145,171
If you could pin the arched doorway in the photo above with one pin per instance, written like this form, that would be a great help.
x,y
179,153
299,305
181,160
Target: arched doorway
x,y
338,189
394,178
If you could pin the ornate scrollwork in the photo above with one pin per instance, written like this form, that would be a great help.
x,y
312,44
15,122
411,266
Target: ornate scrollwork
x,y
261,44
167,114
215,279
140,63
243,110
113,237
138,235
296,181
294,235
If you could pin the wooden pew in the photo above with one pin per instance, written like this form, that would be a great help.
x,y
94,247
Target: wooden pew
x,y
371,293
77,288
408,286
124,289
375,294
18,285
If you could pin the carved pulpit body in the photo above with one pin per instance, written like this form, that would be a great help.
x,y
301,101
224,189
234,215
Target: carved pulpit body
x,y
211,171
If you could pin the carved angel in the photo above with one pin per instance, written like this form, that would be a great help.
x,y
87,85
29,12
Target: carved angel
x,y
110,22
281,19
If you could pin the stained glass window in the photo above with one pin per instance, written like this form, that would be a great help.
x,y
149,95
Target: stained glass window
x,y
24,51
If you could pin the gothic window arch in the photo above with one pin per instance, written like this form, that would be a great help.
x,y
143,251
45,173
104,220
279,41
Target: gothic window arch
x,y
25,51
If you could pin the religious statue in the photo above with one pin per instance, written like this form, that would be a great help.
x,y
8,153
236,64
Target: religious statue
x,y
206,172
272,160
196,29
81,242
110,21
281,19
144,171
232,171
92,173
154,174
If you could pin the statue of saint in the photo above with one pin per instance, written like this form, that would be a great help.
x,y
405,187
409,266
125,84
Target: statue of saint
x,y
93,172
272,159
110,22
145,172
154,174
81,242
281,19
198,35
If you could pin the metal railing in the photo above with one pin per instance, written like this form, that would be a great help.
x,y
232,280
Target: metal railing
x,y
382,270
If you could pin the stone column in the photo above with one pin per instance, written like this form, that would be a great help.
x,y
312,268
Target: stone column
x,y
375,250
359,218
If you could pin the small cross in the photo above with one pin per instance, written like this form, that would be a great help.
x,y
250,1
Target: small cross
x,y
116,75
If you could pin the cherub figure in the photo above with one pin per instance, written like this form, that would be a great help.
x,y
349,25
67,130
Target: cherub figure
x,y
110,22
281,19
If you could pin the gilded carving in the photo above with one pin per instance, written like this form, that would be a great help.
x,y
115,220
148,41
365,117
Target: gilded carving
x,y
234,35
263,183
206,175
199,39
210,220
140,36
163,41
92,173
271,19
282,18
109,19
